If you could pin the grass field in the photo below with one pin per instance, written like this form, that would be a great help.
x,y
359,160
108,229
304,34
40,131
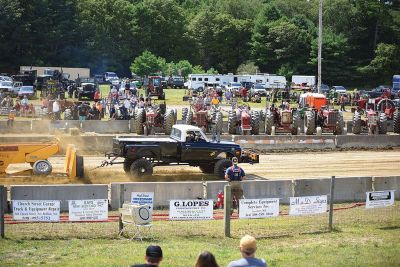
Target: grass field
x,y
361,238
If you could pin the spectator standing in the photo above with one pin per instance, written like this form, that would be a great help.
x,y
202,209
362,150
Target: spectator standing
x,y
83,111
342,102
96,96
154,256
25,105
133,101
248,249
56,110
234,175
11,118
206,259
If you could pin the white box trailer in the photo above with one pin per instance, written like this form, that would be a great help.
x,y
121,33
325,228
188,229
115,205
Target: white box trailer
x,y
303,82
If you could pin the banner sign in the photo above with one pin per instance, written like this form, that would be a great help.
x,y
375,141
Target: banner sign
x,y
191,209
88,210
258,208
379,199
36,210
143,198
308,205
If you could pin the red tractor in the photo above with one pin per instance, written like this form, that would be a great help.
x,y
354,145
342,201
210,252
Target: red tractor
x,y
375,122
382,104
154,116
153,87
207,118
243,121
325,120
285,120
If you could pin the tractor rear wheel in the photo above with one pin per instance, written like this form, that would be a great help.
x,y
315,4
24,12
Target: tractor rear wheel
x,y
396,121
255,122
356,123
169,118
42,167
221,166
141,167
296,122
140,118
339,125
309,127
382,123
189,118
218,122
232,122
207,168
184,113
269,122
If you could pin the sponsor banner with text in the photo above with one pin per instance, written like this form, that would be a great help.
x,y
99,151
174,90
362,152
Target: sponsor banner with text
x,y
197,209
379,199
258,208
308,205
88,210
36,210
143,198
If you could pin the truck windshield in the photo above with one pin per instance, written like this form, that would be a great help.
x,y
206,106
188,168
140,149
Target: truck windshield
x,y
176,134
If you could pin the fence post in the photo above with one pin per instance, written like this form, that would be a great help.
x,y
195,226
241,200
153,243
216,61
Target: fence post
x,y
2,196
331,203
121,203
227,210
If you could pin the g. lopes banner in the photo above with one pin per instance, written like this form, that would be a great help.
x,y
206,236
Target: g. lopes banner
x,y
190,209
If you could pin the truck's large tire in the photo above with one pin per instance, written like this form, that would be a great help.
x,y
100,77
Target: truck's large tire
x,y
140,117
80,170
356,123
269,122
141,167
127,165
218,122
207,168
169,118
221,166
42,167
339,125
309,123
189,118
382,123
255,122
184,113
232,122
396,121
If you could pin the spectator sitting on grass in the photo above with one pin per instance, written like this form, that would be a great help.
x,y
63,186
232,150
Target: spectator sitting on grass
x,y
248,250
206,259
153,257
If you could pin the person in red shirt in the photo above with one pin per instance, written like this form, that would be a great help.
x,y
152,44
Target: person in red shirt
x,y
96,96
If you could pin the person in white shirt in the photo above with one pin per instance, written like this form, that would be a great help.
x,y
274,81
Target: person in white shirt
x,y
56,110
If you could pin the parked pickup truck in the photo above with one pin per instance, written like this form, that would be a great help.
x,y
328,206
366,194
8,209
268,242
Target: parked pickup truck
x,y
187,145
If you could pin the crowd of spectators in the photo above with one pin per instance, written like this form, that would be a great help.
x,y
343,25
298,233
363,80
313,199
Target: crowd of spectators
x,y
247,247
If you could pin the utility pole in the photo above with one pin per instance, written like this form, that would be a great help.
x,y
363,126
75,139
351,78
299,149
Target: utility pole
x,y
319,45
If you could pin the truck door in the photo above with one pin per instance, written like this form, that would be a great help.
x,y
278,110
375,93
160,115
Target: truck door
x,y
196,149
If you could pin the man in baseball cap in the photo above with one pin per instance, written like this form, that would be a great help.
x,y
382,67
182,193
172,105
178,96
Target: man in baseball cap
x,y
248,249
153,257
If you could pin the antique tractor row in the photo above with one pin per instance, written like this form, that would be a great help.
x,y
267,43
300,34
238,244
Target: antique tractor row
x,y
156,116
375,122
242,120
210,120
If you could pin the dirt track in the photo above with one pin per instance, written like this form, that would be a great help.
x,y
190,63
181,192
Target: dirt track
x,y
272,166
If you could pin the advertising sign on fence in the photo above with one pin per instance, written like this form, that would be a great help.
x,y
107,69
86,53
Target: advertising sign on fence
x,y
258,208
308,205
36,210
143,198
88,210
379,199
190,209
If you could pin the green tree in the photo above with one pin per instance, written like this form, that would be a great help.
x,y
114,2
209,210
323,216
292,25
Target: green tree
x,y
247,67
385,63
148,64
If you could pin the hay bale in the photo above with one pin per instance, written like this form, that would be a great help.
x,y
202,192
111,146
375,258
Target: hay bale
x,y
74,131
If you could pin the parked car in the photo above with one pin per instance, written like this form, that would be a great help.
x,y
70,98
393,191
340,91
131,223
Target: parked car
x,y
6,86
339,89
16,87
258,88
233,87
324,88
27,90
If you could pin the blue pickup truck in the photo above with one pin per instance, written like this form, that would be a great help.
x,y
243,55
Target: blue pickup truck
x,y
187,145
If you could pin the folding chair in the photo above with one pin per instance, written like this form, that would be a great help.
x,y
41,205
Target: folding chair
x,y
139,217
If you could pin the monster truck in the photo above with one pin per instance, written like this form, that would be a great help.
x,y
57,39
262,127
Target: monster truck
x,y
187,145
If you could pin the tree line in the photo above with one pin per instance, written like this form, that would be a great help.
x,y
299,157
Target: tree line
x,y
361,44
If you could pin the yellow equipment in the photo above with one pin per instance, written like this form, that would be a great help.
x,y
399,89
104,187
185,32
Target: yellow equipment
x,y
37,155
